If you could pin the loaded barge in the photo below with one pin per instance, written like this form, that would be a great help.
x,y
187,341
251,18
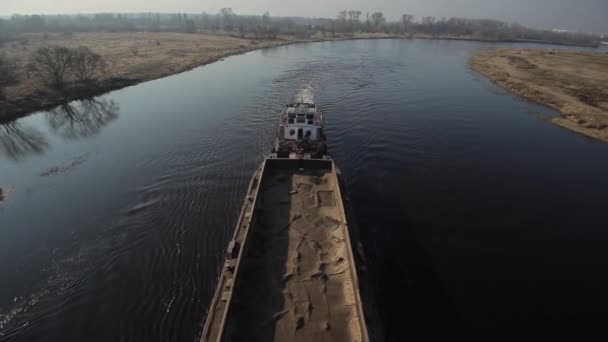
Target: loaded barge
x,y
290,272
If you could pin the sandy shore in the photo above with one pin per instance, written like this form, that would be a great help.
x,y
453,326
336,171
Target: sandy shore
x,y
573,83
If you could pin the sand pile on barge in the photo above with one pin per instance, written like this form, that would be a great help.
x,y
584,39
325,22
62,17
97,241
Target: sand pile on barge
x,y
296,284
294,278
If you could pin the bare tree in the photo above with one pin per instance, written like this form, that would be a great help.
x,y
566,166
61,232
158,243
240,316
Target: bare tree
x,y
8,75
190,26
428,20
368,23
266,27
407,20
342,17
377,19
87,64
53,64
354,18
429,23
226,14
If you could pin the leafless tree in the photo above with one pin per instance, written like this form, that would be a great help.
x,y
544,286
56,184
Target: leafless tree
x,y
428,20
377,19
354,18
354,15
368,23
190,26
429,23
407,20
226,13
87,64
341,21
8,75
53,64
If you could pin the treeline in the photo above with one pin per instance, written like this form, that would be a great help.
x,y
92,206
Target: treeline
x,y
108,22
353,21
226,21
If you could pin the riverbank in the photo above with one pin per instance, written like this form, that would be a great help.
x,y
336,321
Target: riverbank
x,y
138,57
573,83
131,58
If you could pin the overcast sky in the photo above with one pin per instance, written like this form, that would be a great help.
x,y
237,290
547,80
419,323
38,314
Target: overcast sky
x,y
585,15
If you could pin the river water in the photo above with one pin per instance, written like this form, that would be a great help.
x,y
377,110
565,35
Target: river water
x,y
480,219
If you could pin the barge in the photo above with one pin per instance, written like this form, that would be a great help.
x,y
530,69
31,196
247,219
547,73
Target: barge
x,y
290,272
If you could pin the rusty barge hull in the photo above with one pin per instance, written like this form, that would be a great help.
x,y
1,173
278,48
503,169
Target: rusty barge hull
x,y
290,273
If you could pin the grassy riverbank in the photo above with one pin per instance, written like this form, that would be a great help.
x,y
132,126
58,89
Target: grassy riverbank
x,y
137,57
573,83
131,58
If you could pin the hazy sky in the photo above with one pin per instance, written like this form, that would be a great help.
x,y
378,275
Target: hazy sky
x,y
586,15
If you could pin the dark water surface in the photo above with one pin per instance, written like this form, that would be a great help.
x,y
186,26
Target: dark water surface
x,y
482,220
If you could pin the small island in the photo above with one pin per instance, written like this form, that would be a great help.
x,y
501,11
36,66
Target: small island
x,y
573,83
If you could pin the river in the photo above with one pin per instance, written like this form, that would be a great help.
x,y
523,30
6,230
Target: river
x,y
481,220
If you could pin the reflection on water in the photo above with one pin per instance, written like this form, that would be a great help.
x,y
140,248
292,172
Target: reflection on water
x,y
17,141
75,120
82,119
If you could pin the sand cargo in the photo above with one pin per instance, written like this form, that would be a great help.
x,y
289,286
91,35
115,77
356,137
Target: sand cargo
x,y
290,272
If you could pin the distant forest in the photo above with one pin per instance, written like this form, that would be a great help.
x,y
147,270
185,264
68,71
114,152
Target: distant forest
x,y
227,22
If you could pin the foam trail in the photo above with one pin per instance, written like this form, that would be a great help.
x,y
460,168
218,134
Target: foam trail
x,y
305,95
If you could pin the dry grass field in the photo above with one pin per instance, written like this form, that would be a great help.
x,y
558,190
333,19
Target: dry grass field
x,y
130,57
574,83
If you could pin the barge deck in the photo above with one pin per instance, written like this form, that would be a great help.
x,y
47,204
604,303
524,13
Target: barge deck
x,y
290,272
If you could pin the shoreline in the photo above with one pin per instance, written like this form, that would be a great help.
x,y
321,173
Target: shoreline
x,y
45,99
572,83
49,99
